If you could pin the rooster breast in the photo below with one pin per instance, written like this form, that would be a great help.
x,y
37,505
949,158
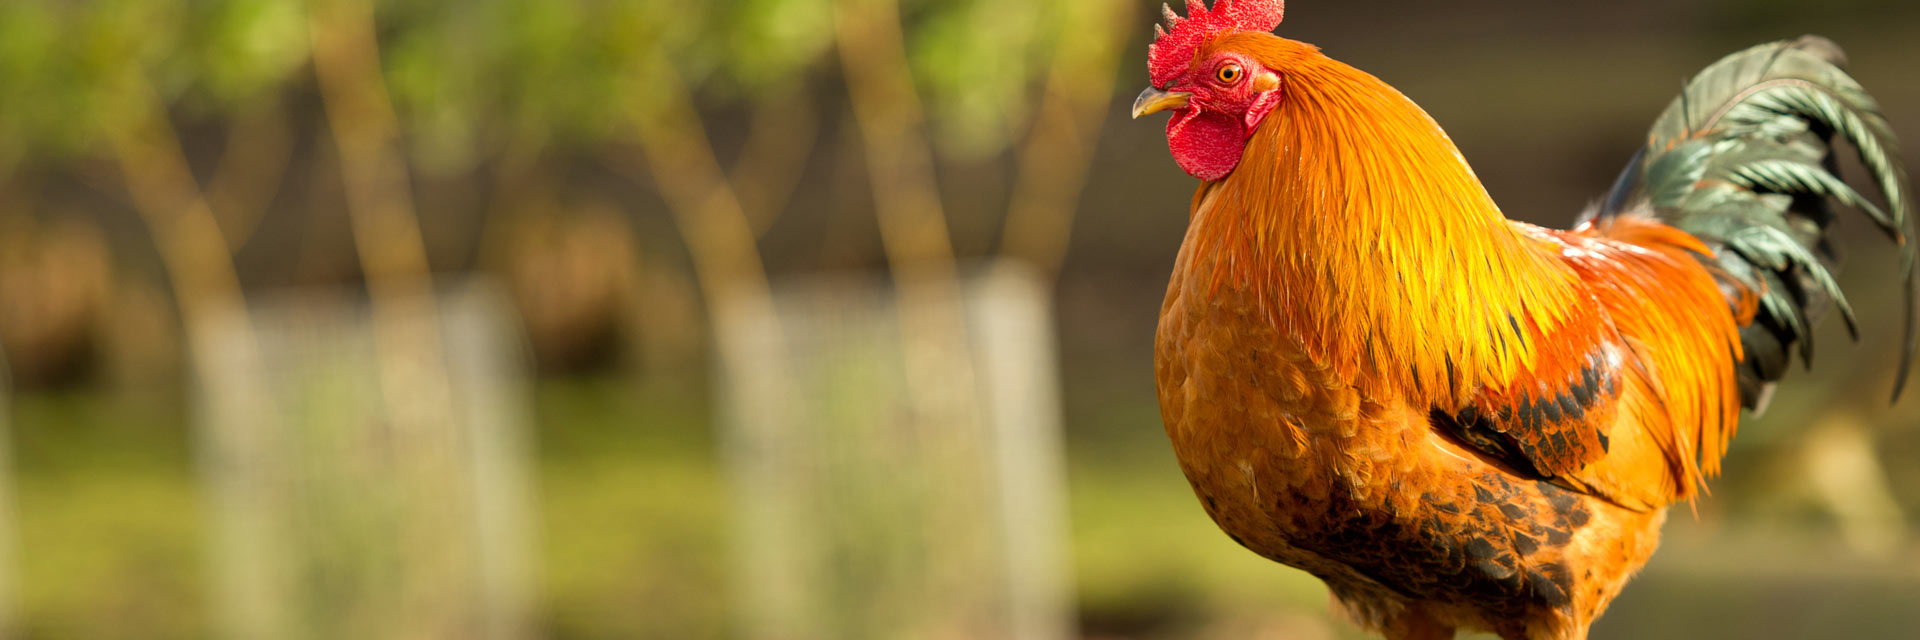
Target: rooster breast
x,y
1301,467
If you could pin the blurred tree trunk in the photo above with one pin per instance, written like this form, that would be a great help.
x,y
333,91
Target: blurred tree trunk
x,y
1058,152
726,259
411,352
379,203
183,225
939,372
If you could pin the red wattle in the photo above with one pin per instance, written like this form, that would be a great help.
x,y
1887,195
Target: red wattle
x,y
1207,145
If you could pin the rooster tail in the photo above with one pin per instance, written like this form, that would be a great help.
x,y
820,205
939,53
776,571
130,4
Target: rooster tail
x,y
1743,160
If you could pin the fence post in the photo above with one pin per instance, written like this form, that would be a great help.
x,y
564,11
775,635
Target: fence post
x,y
868,512
337,516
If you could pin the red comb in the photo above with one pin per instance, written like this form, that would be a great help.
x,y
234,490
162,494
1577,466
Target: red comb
x,y
1173,45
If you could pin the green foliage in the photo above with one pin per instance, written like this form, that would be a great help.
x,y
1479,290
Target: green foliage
x,y
59,65
469,77
975,59
244,50
108,518
978,61
759,44
65,67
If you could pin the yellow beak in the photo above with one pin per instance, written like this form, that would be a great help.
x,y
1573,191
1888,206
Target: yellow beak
x,y
1154,100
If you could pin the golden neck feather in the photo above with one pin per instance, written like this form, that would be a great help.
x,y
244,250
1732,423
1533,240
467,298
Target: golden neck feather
x,y
1385,256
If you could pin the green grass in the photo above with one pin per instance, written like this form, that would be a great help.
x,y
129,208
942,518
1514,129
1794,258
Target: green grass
x,y
632,534
632,510
112,528
1148,562
109,522
632,531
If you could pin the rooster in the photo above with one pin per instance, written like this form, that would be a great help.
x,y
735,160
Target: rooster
x,y
1455,420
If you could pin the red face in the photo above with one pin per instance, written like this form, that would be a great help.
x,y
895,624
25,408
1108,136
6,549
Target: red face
x,y
1216,105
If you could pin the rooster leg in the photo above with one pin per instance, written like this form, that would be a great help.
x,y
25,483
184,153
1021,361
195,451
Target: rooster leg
x,y
1415,624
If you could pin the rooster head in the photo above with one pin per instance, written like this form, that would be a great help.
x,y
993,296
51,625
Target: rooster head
x,y
1217,93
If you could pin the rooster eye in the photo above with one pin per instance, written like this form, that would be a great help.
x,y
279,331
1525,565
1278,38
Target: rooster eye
x,y
1229,73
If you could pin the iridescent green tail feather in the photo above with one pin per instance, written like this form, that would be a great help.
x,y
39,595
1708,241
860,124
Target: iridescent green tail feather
x,y
1743,159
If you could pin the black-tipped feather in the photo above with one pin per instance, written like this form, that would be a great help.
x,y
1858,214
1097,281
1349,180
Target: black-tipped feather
x,y
1743,160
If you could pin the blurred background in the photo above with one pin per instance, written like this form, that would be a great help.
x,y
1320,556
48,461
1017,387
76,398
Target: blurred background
x,y
761,319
